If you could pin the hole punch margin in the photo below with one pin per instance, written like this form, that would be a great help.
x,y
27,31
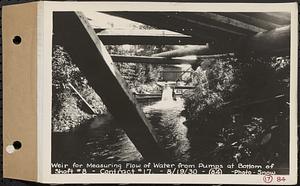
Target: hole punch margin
x,y
17,145
17,40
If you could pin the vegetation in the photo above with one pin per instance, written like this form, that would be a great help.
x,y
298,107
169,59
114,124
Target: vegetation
x,y
68,110
141,78
239,109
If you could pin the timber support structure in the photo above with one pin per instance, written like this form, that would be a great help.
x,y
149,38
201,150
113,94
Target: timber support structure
x,y
92,58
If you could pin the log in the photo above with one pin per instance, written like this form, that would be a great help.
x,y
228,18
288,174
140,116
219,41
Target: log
x,y
193,50
90,55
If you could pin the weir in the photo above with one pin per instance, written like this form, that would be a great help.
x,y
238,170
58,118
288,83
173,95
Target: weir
x,y
167,102
167,93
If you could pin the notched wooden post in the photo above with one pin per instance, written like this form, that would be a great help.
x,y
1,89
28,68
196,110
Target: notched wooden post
x,y
90,55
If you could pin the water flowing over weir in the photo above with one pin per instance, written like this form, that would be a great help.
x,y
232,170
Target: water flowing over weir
x,y
165,116
108,142
167,93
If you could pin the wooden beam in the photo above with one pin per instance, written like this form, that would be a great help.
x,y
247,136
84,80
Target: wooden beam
x,y
146,37
273,17
84,101
215,56
206,27
217,21
220,41
165,21
286,16
175,71
150,60
237,104
193,50
141,95
251,20
233,22
276,41
148,96
90,55
185,87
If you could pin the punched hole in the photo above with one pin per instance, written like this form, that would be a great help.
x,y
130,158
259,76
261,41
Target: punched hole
x,y
17,40
17,145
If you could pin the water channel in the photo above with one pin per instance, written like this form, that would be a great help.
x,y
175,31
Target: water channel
x,y
102,140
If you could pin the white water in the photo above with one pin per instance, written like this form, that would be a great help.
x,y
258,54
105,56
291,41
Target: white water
x,y
167,102
165,116
167,94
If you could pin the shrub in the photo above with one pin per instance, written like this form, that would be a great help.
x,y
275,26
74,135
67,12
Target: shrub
x,y
67,109
239,109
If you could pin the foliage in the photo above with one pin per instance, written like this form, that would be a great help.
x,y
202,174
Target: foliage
x,y
214,84
137,74
233,114
67,108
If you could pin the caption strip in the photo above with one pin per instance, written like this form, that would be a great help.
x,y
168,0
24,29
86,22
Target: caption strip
x,y
162,168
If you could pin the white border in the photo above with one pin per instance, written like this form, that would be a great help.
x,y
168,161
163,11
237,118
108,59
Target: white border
x,y
45,83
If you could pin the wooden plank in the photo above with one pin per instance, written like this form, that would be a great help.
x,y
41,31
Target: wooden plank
x,y
165,21
185,87
251,20
273,42
82,98
175,71
89,54
233,22
140,32
148,96
145,37
150,60
141,95
220,41
215,56
286,16
227,23
207,27
273,17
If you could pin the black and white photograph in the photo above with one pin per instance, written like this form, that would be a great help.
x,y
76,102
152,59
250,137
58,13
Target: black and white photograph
x,y
150,92
171,92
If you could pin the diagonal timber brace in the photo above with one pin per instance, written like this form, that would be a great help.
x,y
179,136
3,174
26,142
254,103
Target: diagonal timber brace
x,y
90,55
